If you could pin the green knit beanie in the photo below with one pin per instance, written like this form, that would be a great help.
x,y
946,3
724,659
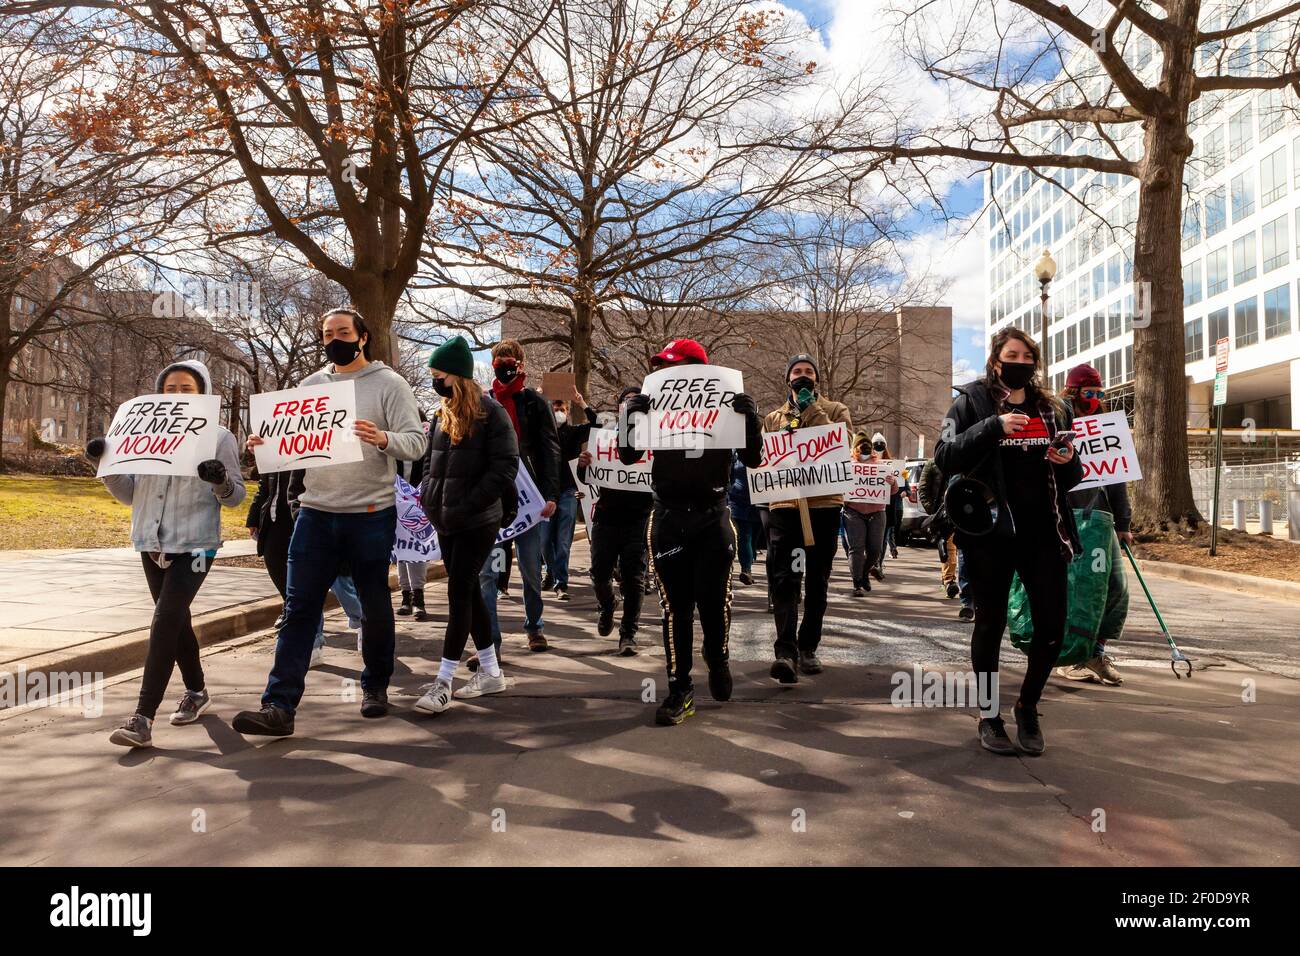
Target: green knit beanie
x,y
453,357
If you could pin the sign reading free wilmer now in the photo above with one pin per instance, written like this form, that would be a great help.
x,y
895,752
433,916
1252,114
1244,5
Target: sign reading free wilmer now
x,y
803,463
306,427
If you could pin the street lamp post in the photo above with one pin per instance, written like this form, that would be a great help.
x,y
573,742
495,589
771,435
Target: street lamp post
x,y
1045,271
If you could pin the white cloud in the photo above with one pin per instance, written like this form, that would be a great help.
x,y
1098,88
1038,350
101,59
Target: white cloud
x,y
963,371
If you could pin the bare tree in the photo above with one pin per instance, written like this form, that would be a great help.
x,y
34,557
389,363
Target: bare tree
x,y
1112,91
585,210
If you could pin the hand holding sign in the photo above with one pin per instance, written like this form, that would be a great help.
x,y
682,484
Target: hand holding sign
x,y
308,427
1105,448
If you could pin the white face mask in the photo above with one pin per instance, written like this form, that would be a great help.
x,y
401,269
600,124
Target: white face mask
x,y
561,418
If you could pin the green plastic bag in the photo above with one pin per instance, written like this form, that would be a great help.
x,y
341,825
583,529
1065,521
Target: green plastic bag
x,y
1089,577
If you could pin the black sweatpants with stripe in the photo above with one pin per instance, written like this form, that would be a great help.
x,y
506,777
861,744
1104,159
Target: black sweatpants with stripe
x,y
692,553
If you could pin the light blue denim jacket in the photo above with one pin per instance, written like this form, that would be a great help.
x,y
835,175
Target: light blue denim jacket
x,y
180,515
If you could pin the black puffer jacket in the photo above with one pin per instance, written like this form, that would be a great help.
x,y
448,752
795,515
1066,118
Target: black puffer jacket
x,y
471,484
973,452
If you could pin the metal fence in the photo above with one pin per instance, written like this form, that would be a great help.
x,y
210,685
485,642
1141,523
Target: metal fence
x,y
1251,483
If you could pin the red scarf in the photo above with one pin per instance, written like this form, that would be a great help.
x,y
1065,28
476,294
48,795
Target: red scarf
x,y
503,392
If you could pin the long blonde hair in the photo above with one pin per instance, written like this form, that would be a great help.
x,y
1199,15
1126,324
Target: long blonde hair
x,y
463,409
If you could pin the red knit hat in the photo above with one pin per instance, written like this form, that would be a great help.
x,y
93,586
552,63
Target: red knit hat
x,y
1082,376
682,350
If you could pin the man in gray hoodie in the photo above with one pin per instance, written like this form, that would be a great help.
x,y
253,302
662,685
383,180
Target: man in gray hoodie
x,y
346,523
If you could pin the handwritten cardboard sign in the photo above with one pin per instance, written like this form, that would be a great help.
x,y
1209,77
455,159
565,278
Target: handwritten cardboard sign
x,y
588,495
1105,449
559,385
802,463
606,471
416,538
161,435
306,427
690,408
871,481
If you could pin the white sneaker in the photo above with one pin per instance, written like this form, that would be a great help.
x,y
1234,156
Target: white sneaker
x,y
317,657
482,683
436,699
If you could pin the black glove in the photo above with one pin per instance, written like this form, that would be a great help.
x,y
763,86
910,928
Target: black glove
x,y
640,402
96,447
744,404
212,471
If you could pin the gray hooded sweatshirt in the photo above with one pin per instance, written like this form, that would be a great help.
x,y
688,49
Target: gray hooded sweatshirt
x,y
383,397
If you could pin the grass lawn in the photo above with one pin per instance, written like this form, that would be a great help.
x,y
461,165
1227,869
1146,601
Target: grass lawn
x,y
38,512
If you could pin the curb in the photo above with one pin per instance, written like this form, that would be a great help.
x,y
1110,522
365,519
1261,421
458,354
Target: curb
x,y
1224,580
109,656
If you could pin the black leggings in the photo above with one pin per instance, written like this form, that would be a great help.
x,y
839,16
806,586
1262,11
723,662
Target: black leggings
x,y
622,546
990,563
171,636
463,555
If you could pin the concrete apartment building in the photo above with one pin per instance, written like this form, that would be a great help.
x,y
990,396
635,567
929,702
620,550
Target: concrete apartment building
x,y
1240,254
893,369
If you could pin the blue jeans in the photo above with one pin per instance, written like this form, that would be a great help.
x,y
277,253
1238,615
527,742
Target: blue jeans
x,y
323,544
346,592
557,537
963,585
528,559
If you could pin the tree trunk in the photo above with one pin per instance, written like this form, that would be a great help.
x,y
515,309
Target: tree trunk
x,y
377,307
4,403
582,324
1163,498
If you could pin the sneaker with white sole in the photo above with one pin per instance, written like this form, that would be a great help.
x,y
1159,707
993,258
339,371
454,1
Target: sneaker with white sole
x,y
191,707
436,698
482,683
1103,665
317,656
136,732
1077,672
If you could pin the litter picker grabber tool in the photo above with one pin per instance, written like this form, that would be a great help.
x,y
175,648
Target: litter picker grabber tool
x,y
1175,654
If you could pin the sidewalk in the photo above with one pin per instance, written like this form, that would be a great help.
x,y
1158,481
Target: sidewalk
x,y
567,767
52,602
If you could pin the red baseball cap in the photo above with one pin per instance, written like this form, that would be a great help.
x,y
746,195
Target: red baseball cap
x,y
681,350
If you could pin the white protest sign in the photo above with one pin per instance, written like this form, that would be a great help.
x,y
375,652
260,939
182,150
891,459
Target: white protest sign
x,y
607,471
871,481
802,463
416,539
690,407
161,435
1105,449
306,427
588,495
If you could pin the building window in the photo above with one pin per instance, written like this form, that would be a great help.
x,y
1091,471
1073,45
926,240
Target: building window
x,y
1216,326
1128,313
1216,270
1243,196
1099,327
1216,212
1194,341
1113,273
1272,114
1116,364
1241,132
1085,334
1191,225
1243,258
1192,283
1272,177
1099,363
1098,281
1277,312
1245,315
1212,149
1115,322
1276,246
1071,340
1128,363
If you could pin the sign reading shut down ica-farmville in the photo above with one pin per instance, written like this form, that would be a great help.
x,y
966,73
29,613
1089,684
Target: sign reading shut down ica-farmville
x,y
305,427
803,463
161,435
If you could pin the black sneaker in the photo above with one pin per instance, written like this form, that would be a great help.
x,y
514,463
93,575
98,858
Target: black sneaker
x,y
627,646
865,584
374,704
1028,730
548,583
605,623
993,736
405,609
679,705
270,721
878,572
783,670
746,578
953,590
809,663
720,682
966,614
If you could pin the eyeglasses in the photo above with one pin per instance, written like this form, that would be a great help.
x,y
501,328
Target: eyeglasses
x,y
1097,393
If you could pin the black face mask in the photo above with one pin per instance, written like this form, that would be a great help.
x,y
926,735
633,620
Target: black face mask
x,y
1016,375
803,389
443,387
879,446
506,373
342,353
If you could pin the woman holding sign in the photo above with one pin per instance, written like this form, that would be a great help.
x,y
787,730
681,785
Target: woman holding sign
x,y
468,492
176,527
1009,440
864,524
